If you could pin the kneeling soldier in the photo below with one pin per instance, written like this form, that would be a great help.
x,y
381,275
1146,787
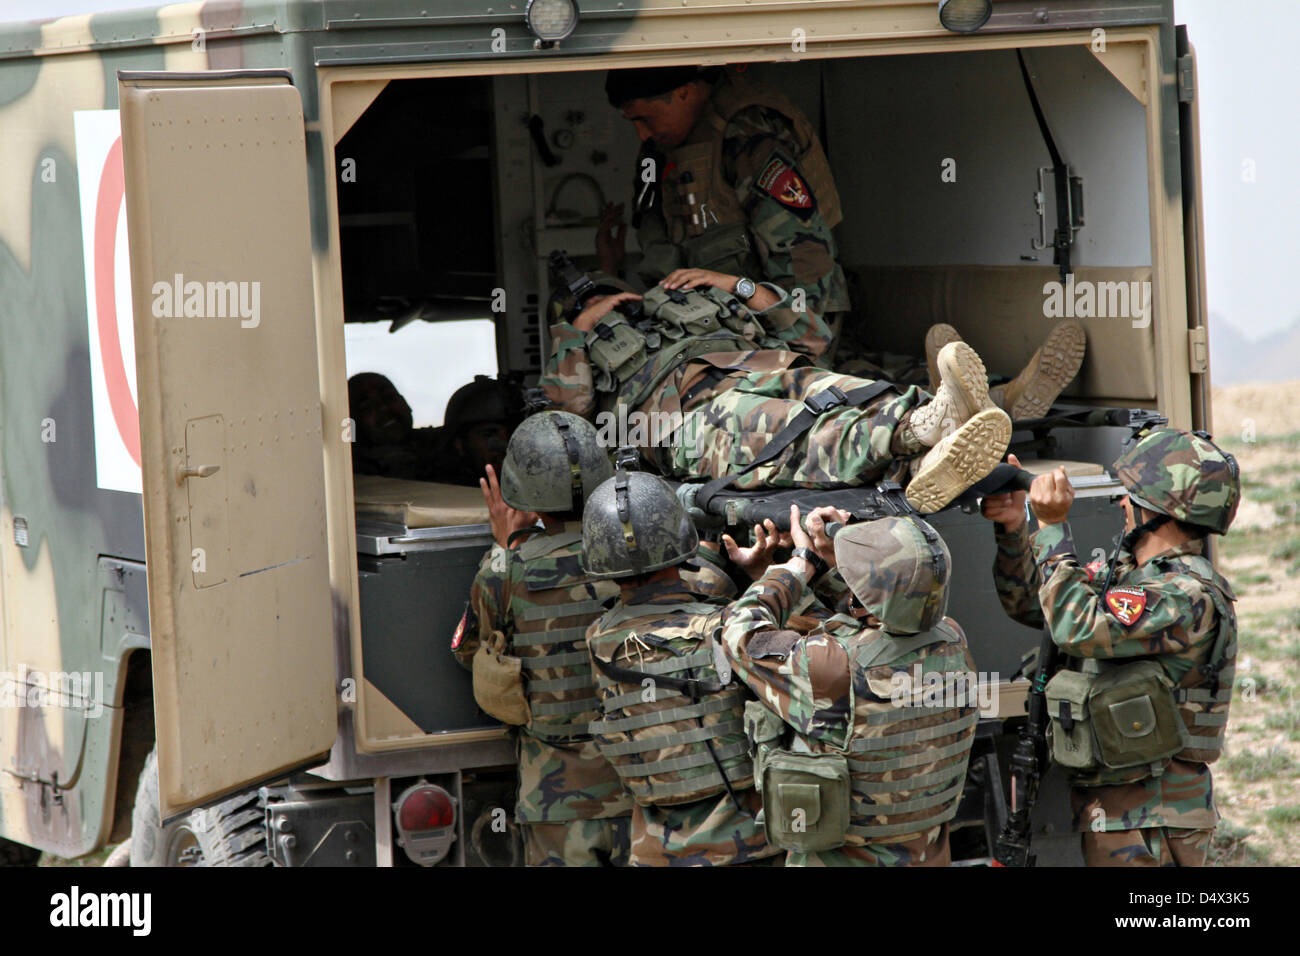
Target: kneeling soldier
x,y
859,761
670,724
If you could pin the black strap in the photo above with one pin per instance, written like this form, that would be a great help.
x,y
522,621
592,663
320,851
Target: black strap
x,y
712,376
689,687
1064,236
814,407
576,496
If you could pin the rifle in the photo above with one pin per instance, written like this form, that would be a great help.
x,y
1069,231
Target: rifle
x,y
1028,761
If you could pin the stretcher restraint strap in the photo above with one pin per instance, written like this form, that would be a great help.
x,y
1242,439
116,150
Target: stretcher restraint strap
x,y
814,407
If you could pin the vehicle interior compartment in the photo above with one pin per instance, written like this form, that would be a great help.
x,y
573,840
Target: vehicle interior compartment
x,y
936,159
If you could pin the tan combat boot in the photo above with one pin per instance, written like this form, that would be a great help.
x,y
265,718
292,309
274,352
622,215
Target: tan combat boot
x,y
959,460
936,338
963,392
1054,366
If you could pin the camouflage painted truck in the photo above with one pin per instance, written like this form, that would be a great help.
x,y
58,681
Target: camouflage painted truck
x,y
203,611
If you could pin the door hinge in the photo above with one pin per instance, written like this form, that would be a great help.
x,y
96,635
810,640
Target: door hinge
x,y
1198,351
1186,78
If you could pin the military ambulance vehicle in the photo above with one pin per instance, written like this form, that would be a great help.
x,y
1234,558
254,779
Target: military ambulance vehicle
x,y
217,641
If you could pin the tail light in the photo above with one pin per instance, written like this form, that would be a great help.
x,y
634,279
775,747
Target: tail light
x,y
426,822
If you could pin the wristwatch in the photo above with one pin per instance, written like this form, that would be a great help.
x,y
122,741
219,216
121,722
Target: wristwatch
x,y
812,557
744,289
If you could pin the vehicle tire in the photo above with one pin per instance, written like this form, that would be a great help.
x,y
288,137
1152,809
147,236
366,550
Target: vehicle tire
x,y
152,844
18,854
233,833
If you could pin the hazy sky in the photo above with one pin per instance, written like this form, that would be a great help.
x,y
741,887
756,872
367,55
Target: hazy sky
x,y
1248,125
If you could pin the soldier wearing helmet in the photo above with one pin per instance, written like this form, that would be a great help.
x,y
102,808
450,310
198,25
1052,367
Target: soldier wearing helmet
x,y
670,719
1151,636
532,600
476,426
863,726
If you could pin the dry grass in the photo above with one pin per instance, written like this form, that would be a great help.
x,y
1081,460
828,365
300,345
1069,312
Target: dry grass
x,y
1256,782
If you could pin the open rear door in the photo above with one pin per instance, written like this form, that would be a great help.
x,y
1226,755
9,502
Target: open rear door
x,y
230,428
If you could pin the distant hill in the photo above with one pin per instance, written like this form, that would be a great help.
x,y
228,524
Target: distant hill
x,y
1235,359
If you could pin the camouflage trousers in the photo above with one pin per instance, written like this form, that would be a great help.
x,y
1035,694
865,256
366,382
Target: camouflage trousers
x,y
928,849
725,430
708,832
1149,846
577,843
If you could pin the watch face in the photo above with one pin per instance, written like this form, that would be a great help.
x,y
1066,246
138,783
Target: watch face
x,y
745,288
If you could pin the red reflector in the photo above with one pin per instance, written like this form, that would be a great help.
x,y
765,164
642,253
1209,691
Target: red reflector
x,y
428,808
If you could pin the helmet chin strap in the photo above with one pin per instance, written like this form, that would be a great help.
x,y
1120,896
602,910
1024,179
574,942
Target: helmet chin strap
x,y
1129,542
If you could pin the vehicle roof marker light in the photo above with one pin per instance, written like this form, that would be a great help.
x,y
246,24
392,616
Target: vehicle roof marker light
x,y
551,20
964,16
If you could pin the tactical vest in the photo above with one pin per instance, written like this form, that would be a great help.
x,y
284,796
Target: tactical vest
x,y
1134,701
704,217
550,639
630,360
1205,693
906,764
667,743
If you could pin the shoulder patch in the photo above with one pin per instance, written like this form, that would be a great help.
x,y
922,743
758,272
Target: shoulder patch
x,y
780,180
772,643
1127,603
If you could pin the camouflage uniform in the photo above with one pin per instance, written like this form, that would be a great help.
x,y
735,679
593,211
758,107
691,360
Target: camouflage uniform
x,y
570,801
814,683
1041,581
707,831
771,176
756,394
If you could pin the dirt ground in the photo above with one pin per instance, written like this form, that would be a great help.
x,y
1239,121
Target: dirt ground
x,y
1258,777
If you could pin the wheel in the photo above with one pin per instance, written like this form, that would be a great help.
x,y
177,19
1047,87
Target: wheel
x,y
233,833
18,854
152,844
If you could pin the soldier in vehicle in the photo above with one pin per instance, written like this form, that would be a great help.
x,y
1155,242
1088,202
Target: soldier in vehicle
x,y
742,191
740,186
1137,724
385,441
531,599
724,387
670,723
476,427
859,760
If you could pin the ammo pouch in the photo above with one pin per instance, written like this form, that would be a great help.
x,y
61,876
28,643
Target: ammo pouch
x,y
703,310
1121,718
617,351
498,682
805,795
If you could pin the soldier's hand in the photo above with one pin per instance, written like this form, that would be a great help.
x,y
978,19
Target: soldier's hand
x,y
690,278
599,307
817,520
611,238
505,520
1050,497
756,559
1007,508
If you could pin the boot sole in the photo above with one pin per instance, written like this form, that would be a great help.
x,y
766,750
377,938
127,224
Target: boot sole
x,y
935,339
963,369
971,453
1058,363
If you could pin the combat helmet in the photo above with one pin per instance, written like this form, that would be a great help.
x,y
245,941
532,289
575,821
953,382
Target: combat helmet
x,y
898,569
634,524
1183,475
553,463
485,399
562,303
